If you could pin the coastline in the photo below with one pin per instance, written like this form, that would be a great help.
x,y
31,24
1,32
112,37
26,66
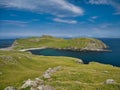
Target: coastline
x,y
81,50
23,50
7,48
70,49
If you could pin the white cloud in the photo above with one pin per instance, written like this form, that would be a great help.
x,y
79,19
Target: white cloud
x,y
106,25
94,17
116,5
99,1
91,20
60,8
64,21
113,3
14,23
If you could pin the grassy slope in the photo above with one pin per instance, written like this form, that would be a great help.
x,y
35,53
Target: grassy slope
x,y
19,66
49,41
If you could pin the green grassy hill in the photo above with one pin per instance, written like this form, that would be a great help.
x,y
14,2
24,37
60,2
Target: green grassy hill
x,y
59,43
15,67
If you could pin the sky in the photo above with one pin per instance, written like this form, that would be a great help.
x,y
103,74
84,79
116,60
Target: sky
x,y
61,18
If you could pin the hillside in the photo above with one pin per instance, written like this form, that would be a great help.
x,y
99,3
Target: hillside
x,y
76,44
16,67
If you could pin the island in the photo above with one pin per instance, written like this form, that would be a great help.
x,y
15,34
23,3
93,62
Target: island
x,y
74,44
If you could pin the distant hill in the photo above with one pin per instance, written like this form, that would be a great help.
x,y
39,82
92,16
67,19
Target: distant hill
x,y
76,44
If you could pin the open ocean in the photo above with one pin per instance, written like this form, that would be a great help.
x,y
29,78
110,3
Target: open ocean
x,y
112,58
6,42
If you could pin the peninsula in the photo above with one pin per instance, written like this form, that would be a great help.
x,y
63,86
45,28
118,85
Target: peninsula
x,y
74,44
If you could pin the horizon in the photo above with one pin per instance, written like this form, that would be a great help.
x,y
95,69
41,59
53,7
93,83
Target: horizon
x,y
67,37
60,18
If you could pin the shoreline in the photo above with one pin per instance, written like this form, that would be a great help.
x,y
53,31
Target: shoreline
x,y
81,50
23,50
7,48
68,49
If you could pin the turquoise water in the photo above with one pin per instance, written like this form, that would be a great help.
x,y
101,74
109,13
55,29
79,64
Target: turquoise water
x,y
112,58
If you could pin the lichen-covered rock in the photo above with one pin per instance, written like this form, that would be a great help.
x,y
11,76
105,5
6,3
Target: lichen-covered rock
x,y
8,59
40,87
34,88
33,83
79,61
46,87
50,71
29,83
39,81
110,81
46,76
57,68
10,88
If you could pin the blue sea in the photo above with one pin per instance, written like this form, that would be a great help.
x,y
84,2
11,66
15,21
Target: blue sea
x,y
112,58
6,42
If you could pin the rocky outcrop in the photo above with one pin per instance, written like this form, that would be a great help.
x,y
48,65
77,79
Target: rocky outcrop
x,y
10,88
8,59
110,81
79,61
42,87
38,83
32,83
50,71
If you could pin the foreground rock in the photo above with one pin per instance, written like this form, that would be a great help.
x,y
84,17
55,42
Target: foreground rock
x,y
10,88
32,83
79,61
110,81
50,71
46,87
37,83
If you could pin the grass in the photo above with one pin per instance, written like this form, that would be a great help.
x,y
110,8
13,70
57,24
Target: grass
x,y
18,66
53,42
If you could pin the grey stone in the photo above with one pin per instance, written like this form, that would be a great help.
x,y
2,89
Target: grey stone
x,y
32,83
46,76
40,87
29,83
33,88
79,61
110,81
39,81
46,87
10,88
50,71
8,59
57,68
